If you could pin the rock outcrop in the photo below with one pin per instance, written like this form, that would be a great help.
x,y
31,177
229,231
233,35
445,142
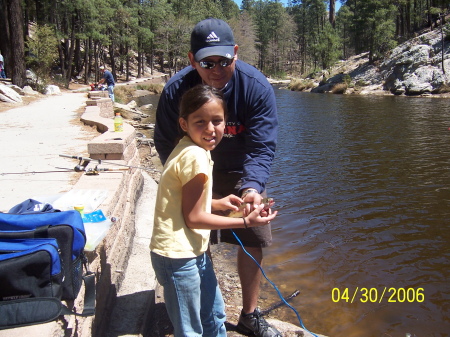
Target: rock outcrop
x,y
9,95
415,67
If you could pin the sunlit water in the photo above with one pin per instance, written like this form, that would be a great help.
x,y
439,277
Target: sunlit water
x,y
362,185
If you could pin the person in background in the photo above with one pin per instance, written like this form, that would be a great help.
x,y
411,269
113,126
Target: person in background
x,y
2,66
243,159
183,219
109,79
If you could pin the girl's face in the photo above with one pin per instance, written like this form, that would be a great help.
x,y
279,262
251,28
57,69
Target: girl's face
x,y
206,125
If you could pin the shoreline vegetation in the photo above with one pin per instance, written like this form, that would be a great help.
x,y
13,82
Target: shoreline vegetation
x,y
416,68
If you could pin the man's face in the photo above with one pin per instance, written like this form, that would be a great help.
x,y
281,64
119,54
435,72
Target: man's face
x,y
218,76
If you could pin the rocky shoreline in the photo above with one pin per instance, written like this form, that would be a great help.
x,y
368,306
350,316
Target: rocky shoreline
x,y
418,67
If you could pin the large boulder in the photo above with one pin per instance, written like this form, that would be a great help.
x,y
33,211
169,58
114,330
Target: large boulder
x,y
52,90
31,76
413,56
9,95
415,66
17,89
422,80
28,91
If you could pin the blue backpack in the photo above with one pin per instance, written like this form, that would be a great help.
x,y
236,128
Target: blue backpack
x,y
41,263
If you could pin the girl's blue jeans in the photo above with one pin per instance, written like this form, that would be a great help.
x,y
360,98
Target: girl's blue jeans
x,y
192,295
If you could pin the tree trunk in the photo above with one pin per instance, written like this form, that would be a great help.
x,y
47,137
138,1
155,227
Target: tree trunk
x,y
87,60
408,19
71,48
113,63
77,59
17,59
333,13
139,62
127,63
96,61
430,18
416,11
5,37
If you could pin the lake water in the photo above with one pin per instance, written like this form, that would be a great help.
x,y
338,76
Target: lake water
x,y
362,186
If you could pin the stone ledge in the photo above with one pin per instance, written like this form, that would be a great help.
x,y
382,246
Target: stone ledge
x,y
105,104
94,101
109,145
110,258
98,93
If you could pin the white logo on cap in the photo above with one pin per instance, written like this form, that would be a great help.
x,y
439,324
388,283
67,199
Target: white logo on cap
x,y
212,38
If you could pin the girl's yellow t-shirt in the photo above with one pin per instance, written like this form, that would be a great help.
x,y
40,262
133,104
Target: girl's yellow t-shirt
x,y
171,237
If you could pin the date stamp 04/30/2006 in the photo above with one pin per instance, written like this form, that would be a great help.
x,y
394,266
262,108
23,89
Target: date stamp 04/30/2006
x,y
375,295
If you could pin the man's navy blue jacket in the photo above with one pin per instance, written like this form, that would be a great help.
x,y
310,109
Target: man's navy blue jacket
x,y
250,137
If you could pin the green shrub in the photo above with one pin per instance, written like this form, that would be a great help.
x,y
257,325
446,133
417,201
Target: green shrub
x,y
446,30
347,79
43,51
361,83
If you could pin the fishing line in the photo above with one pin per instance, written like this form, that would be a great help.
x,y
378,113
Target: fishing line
x,y
35,172
274,286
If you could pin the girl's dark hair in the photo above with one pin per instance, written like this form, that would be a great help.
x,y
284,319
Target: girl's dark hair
x,y
194,98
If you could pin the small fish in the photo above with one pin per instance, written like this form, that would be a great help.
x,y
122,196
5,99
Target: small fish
x,y
268,203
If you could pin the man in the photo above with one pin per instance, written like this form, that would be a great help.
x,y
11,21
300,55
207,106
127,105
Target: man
x,y
109,79
2,66
243,159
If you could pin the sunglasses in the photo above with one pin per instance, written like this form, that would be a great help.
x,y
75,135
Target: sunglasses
x,y
211,65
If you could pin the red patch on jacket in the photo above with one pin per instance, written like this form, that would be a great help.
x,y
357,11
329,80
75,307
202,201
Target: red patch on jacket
x,y
233,130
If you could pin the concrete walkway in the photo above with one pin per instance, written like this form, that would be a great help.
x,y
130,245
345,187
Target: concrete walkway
x,y
31,138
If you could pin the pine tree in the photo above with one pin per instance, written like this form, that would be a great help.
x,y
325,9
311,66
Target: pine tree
x,y
16,42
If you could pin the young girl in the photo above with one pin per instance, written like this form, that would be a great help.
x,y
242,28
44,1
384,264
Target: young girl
x,y
183,219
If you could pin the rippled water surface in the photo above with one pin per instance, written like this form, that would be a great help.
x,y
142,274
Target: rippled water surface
x,y
362,185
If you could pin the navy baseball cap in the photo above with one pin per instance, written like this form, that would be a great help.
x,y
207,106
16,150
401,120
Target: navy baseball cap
x,y
212,37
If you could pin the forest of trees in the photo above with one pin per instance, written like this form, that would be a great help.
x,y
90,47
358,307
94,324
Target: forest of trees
x,y
70,39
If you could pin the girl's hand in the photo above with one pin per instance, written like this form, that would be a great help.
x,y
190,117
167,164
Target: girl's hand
x,y
230,202
255,219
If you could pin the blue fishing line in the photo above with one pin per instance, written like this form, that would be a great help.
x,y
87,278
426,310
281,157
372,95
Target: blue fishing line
x,y
274,286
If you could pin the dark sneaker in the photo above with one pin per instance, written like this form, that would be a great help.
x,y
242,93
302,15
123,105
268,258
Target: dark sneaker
x,y
254,323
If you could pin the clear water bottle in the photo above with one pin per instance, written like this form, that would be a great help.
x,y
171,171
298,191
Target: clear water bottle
x,y
118,122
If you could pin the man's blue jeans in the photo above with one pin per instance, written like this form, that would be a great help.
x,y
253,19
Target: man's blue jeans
x,y
192,295
111,92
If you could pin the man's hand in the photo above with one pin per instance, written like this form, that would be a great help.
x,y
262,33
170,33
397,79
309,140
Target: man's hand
x,y
253,199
